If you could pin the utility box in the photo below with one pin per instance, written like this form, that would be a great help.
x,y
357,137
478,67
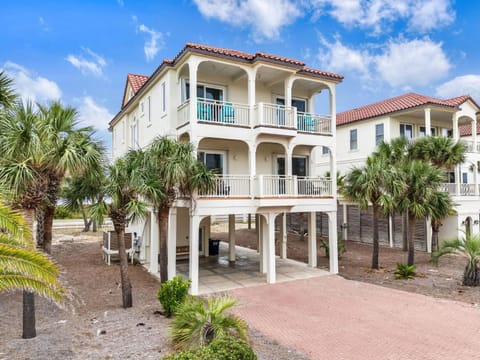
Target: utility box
x,y
213,246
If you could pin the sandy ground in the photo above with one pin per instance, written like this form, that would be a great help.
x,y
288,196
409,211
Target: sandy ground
x,y
93,325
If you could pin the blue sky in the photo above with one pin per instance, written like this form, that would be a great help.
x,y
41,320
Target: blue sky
x,y
81,51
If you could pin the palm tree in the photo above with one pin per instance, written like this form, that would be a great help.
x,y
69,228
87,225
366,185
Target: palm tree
x,y
375,183
174,165
441,206
124,188
442,152
69,149
198,322
23,268
7,95
468,246
422,181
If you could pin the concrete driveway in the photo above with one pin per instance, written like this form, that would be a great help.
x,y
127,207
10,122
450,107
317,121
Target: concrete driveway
x,y
332,318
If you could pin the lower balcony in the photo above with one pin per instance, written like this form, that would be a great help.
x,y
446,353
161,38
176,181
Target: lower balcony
x,y
269,186
462,190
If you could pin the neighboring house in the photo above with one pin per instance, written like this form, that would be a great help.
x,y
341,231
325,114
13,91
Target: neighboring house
x,y
252,119
413,116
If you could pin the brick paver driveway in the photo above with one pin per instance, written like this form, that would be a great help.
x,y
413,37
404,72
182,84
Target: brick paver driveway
x,y
332,318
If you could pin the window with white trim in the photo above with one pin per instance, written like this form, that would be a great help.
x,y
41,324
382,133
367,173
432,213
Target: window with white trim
x,y
325,150
149,117
353,139
422,132
379,133
164,98
406,130
213,160
134,134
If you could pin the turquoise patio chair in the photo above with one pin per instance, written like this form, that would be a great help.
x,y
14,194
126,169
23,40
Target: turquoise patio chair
x,y
204,111
228,113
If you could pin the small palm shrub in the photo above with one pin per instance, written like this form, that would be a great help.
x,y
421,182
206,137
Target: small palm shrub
x,y
226,348
197,322
405,271
172,294
340,247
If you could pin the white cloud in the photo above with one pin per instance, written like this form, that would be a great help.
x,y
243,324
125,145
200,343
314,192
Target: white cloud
x,y
379,15
154,44
93,65
43,24
461,85
121,3
338,57
91,113
427,15
31,87
416,62
265,17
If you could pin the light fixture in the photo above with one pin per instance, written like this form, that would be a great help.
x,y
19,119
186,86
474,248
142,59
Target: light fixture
x,y
476,222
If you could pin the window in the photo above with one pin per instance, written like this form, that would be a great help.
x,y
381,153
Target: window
x,y
149,118
422,132
214,161
325,150
451,177
205,92
353,139
464,178
299,165
406,130
134,134
164,98
447,132
142,108
379,136
300,104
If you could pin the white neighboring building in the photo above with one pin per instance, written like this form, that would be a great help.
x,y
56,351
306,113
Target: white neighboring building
x,y
413,116
252,118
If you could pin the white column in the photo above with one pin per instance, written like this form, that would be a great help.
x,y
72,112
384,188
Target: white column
x,y
258,231
390,230
251,95
312,239
172,243
345,222
311,104
474,135
154,243
429,235
332,241
283,236
231,237
208,224
428,123
192,69
288,161
475,178
193,258
269,247
252,166
288,92
456,134
263,244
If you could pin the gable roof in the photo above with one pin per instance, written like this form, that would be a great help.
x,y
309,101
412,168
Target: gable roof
x,y
136,82
398,103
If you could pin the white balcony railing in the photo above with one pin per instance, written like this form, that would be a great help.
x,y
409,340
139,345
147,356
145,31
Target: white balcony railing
x,y
315,124
229,186
276,186
220,112
465,189
471,146
277,116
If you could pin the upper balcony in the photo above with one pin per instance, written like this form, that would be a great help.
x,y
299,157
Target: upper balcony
x,y
265,116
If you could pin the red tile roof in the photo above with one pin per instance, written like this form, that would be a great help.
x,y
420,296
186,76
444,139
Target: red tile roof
x,y
398,103
136,81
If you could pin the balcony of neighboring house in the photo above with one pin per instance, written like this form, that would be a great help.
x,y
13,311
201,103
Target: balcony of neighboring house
x,y
455,189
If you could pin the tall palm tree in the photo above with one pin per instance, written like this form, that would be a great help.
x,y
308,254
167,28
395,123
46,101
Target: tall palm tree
x,y
7,95
442,152
174,165
468,246
422,181
69,149
123,189
441,206
198,322
376,183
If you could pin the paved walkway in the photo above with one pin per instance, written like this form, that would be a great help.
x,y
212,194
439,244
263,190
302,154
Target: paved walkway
x,y
332,318
218,274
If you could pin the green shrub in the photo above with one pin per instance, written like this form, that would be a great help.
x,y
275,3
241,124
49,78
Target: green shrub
x,y
225,348
405,271
172,294
61,212
340,246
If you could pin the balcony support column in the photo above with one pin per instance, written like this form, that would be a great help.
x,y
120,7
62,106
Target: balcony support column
x,y
429,234
283,236
251,95
252,167
312,239
172,243
428,124
333,161
288,161
311,104
269,246
345,222
192,69
231,238
455,127
288,91
193,258
332,241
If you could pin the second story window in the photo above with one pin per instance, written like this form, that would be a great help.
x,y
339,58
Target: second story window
x,y
379,134
353,139
325,150
406,130
205,92
134,134
164,98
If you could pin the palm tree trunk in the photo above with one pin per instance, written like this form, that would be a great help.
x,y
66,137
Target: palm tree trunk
x,y
435,231
375,237
411,239
86,222
39,216
163,246
94,225
29,330
405,231
47,229
127,300
28,323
